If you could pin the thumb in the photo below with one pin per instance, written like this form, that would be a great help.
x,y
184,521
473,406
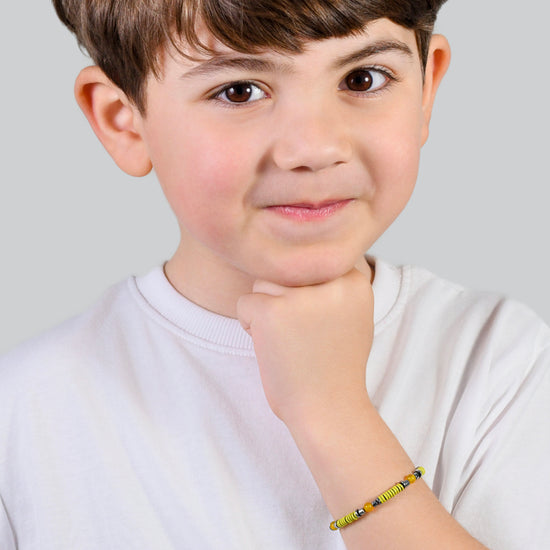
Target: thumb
x,y
269,288
248,305
244,311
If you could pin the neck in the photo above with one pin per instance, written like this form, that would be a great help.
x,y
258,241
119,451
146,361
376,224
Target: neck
x,y
211,286
215,285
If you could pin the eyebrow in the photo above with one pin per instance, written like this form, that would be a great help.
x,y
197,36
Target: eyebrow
x,y
221,63
370,50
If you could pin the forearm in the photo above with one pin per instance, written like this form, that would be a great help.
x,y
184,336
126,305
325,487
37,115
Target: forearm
x,y
312,345
354,457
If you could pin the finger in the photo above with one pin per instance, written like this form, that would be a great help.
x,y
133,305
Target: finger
x,y
269,288
249,306
245,311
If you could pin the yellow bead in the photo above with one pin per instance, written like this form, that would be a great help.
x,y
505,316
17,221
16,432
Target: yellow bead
x,y
368,507
411,478
421,470
333,526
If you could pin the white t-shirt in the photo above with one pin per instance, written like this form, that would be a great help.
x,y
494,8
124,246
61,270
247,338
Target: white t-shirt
x,y
142,424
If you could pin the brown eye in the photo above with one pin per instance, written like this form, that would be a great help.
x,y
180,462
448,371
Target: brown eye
x,y
359,81
239,93
366,80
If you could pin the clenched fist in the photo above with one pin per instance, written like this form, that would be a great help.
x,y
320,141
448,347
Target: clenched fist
x,y
312,343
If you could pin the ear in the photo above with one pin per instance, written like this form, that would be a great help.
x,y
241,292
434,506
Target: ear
x,y
114,120
439,57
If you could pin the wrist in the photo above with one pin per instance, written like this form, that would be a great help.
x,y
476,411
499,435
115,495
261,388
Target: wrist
x,y
318,420
322,434
351,453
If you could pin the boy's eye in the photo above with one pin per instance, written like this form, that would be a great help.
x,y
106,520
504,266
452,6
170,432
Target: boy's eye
x,y
366,80
241,92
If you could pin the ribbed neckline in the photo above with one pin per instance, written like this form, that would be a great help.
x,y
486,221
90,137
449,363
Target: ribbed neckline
x,y
213,330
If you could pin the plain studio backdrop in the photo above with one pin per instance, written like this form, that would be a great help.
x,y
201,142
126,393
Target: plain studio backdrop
x,y
72,224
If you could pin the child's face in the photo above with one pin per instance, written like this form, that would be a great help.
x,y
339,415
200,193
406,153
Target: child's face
x,y
288,167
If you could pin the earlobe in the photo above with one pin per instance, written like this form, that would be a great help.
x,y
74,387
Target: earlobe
x,y
439,58
113,119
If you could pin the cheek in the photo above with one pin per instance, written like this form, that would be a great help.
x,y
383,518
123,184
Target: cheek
x,y
204,175
393,160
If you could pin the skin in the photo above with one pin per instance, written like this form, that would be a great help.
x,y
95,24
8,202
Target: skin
x,y
277,199
307,141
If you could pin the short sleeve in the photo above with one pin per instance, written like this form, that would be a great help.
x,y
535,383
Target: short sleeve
x,y
505,500
7,539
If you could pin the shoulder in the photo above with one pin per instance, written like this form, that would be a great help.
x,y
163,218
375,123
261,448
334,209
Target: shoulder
x,y
485,314
68,349
481,334
432,299
495,348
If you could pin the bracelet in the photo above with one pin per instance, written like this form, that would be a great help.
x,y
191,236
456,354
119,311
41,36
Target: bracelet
x,y
380,499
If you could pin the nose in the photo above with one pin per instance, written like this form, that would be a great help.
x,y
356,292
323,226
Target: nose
x,y
311,137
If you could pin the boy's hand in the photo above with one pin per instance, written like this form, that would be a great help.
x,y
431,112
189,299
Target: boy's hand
x,y
312,344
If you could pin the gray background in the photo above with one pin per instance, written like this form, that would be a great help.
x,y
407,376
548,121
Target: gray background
x,y
72,224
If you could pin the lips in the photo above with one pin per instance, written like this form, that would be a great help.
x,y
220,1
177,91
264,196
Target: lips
x,y
310,211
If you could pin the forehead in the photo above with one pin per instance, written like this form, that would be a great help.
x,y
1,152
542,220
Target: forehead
x,y
378,36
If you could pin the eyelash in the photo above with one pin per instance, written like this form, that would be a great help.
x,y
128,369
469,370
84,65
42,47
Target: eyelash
x,y
389,75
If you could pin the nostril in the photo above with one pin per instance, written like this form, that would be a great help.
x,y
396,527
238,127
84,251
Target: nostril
x,y
312,155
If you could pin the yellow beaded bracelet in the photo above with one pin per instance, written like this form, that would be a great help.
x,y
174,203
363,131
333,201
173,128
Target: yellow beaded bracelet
x,y
380,499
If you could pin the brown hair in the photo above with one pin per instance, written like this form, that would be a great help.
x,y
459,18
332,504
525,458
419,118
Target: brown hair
x,y
124,37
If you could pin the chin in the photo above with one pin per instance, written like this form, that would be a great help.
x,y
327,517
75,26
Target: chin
x,y
305,271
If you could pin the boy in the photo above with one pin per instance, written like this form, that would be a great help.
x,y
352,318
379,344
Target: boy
x,y
286,139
